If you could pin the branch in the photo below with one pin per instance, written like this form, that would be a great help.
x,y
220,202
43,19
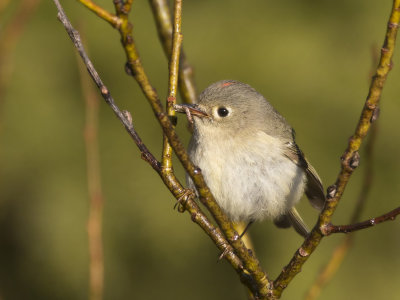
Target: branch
x,y
340,251
94,225
162,17
135,68
112,19
206,197
350,158
128,5
122,7
76,39
172,183
390,216
173,82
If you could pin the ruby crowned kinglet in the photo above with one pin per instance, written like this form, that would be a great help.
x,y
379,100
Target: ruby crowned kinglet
x,y
248,156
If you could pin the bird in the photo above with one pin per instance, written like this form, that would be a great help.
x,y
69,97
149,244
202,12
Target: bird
x,y
248,156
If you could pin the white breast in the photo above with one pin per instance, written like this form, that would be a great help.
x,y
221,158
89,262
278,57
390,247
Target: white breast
x,y
252,180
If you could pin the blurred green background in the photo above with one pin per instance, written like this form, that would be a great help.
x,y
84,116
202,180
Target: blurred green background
x,y
311,59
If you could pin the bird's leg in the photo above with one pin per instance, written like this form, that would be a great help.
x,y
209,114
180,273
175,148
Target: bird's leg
x,y
246,228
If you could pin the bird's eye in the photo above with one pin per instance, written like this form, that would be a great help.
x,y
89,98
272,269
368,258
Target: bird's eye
x,y
222,111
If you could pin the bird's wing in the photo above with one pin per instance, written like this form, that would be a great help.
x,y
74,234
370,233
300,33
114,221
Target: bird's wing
x,y
314,189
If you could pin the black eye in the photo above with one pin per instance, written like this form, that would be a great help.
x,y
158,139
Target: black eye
x,y
222,112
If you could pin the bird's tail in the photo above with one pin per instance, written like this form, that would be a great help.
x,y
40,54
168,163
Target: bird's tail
x,y
293,218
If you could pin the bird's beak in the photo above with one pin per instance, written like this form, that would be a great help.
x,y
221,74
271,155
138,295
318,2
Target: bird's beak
x,y
190,109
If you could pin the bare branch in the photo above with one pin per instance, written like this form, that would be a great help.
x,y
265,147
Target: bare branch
x,y
162,17
349,158
74,35
389,216
172,183
136,69
173,82
340,251
102,13
238,255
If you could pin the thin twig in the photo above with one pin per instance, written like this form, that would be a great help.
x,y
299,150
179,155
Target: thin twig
x,y
96,269
250,261
162,16
135,68
389,216
340,251
112,19
173,82
173,184
349,158
75,37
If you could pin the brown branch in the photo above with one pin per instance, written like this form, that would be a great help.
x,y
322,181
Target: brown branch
x,y
368,176
340,251
135,68
162,16
96,270
75,37
389,216
350,158
172,183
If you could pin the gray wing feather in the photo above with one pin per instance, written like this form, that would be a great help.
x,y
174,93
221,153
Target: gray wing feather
x,y
314,189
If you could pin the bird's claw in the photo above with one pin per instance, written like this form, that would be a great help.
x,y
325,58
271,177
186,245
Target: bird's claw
x,y
183,198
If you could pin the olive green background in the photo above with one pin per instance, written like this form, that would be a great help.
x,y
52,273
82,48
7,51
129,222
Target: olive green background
x,y
311,59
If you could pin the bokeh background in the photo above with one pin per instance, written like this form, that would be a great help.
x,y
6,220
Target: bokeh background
x,y
311,59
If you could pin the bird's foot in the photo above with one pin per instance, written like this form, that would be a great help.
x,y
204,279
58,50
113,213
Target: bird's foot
x,y
183,198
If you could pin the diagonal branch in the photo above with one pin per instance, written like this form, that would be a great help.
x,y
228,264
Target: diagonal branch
x,y
350,158
135,68
173,184
76,39
340,251
112,19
